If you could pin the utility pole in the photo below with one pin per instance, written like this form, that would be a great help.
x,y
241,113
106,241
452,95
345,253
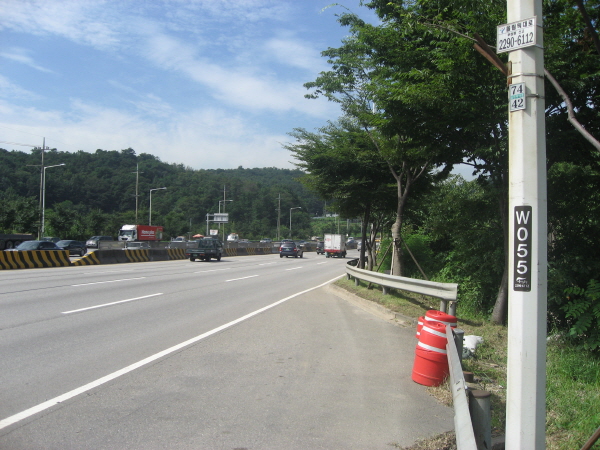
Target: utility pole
x,y
527,305
278,216
137,182
40,231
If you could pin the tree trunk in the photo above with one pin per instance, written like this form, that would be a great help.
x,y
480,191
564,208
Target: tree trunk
x,y
363,236
500,311
396,251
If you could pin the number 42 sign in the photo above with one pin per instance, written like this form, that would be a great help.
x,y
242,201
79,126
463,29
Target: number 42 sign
x,y
516,96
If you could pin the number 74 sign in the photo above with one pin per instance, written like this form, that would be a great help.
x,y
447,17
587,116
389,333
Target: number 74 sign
x,y
516,96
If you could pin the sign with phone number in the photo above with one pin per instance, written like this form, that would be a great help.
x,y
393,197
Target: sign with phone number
x,y
516,35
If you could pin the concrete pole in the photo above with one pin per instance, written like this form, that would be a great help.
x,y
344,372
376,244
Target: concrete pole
x,y
525,404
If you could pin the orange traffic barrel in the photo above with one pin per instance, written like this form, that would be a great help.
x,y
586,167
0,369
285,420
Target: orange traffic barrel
x,y
420,322
430,368
431,362
438,316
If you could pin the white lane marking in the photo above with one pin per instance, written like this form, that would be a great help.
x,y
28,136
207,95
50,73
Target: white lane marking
x,y
243,278
103,282
294,268
213,270
110,304
100,381
266,264
324,262
108,271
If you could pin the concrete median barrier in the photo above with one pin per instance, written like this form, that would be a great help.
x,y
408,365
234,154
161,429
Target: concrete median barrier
x,y
176,253
34,259
90,259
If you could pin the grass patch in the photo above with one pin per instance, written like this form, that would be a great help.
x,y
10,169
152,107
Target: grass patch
x,y
572,396
573,375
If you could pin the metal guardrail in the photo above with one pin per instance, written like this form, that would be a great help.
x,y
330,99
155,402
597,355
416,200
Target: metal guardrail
x,y
446,292
463,426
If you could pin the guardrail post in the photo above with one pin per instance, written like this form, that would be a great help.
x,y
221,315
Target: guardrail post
x,y
385,290
356,282
452,309
458,341
443,305
481,417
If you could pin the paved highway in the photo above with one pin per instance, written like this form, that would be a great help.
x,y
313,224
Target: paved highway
x,y
241,353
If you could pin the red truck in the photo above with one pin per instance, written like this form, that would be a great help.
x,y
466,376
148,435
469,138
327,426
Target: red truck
x,y
140,233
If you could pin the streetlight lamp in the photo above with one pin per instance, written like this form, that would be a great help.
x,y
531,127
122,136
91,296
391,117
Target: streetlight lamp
x,y
150,208
296,207
223,201
44,198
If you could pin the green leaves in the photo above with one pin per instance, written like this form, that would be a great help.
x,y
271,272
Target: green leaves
x,y
583,311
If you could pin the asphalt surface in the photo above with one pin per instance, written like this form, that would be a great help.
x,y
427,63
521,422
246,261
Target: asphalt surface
x,y
314,372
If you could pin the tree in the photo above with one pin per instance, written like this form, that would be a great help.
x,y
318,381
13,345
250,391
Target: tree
x,y
341,165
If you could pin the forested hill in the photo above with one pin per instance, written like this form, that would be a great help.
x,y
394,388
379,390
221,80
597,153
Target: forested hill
x,y
95,193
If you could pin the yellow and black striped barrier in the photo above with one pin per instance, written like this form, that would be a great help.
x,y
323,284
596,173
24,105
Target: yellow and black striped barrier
x,y
32,259
88,260
176,253
137,255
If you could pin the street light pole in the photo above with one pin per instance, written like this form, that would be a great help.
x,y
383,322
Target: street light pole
x,y
296,207
223,201
43,227
150,208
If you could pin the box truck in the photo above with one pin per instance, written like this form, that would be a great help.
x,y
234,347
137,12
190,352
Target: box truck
x,y
335,245
140,233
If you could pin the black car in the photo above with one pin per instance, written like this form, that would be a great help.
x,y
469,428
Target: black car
x,y
50,239
35,245
320,248
290,249
74,247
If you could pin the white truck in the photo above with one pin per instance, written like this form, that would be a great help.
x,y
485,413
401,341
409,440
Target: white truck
x,y
335,245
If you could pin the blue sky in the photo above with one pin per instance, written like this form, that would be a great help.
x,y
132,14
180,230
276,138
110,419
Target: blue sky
x,y
205,83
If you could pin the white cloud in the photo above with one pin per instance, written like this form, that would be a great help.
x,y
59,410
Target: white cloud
x,y
83,21
295,53
21,56
11,90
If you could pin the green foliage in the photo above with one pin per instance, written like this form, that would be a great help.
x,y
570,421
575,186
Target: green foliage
x,y
582,311
18,214
95,194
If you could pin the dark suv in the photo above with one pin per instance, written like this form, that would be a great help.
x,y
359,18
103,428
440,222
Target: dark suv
x,y
290,249
74,247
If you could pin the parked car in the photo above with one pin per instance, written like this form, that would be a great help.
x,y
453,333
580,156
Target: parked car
x,y
50,239
74,247
34,245
290,249
320,248
93,242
